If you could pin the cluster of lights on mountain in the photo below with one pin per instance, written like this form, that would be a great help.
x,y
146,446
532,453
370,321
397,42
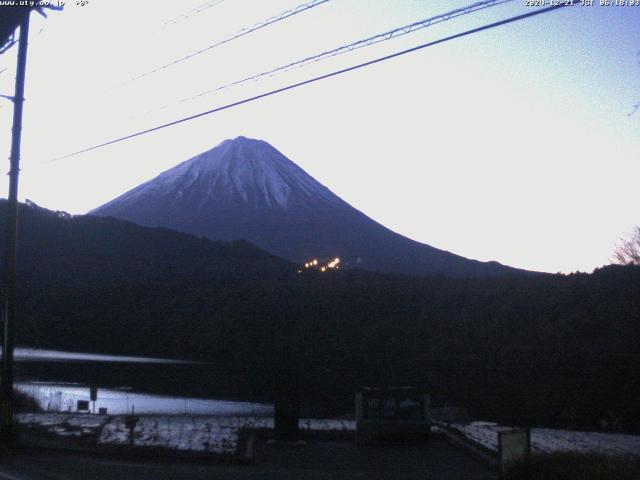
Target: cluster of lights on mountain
x,y
316,265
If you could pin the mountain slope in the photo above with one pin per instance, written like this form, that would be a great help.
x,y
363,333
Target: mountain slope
x,y
246,189
109,286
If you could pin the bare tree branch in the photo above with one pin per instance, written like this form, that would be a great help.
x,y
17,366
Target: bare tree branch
x,y
627,251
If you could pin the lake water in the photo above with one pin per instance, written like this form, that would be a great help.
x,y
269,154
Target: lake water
x,y
56,397
58,380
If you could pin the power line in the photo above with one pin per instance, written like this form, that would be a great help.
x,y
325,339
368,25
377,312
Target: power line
x,y
381,37
11,41
241,33
318,78
194,11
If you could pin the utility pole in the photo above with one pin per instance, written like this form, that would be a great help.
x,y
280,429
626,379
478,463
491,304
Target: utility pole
x,y
11,229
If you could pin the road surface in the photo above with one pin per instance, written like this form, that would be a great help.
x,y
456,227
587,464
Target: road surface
x,y
316,460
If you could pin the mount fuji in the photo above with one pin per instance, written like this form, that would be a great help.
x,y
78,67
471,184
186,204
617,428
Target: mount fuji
x,y
245,189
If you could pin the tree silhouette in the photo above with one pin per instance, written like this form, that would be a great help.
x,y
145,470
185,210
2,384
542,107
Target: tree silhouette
x,y
627,252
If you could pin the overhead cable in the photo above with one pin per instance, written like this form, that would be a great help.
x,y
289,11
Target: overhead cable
x,y
320,77
381,37
241,33
194,11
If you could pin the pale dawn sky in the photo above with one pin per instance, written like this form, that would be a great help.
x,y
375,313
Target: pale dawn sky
x,y
514,144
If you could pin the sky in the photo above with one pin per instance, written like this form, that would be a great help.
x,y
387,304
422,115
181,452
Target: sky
x,y
514,144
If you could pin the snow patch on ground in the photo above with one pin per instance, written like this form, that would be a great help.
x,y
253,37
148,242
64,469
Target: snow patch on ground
x,y
196,434
64,425
116,431
545,440
184,433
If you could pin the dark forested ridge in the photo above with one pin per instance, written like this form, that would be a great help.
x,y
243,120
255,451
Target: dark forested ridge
x,y
556,350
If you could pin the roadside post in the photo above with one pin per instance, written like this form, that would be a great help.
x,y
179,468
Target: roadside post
x,y
93,395
513,445
287,406
11,228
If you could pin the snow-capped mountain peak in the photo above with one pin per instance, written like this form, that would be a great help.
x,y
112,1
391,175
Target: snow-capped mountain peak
x,y
245,189
241,170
